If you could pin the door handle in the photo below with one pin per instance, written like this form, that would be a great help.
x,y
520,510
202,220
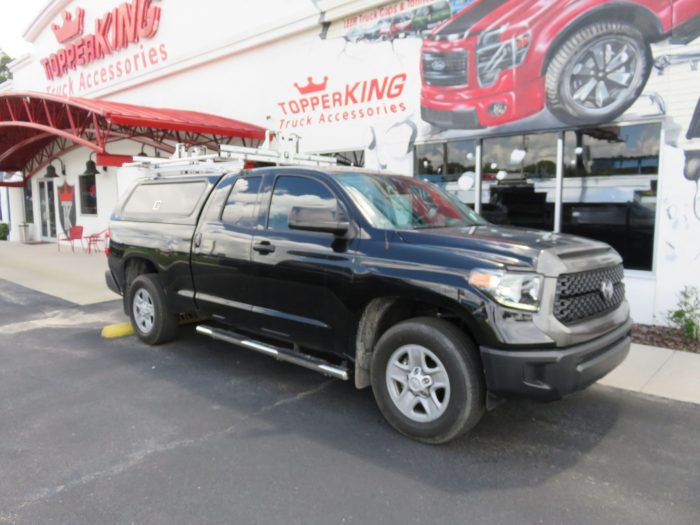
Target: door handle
x,y
263,247
198,240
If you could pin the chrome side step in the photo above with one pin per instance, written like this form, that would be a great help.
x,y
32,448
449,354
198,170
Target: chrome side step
x,y
281,354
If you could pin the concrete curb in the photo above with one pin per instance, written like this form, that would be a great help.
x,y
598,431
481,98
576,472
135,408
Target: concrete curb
x,y
672,374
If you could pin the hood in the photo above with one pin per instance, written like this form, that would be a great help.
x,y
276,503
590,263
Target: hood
x,y
510,246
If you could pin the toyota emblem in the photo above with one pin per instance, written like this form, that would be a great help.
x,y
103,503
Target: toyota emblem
x,y
607,290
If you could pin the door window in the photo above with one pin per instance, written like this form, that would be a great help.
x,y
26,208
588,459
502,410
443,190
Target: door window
x,y
240,206
296,191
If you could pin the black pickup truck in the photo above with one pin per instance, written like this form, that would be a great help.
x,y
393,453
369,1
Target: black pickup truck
x,y
380,278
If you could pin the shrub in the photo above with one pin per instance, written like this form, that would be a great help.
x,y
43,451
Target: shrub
x,y
4,231
686,316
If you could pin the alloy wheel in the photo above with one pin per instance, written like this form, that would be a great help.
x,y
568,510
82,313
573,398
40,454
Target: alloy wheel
x,y
418,383
144,311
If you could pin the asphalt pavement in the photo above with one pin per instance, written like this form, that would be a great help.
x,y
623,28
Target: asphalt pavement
x,y
96,431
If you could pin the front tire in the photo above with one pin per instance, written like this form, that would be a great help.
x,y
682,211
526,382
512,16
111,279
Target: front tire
x,y
148,311
598,73
427,380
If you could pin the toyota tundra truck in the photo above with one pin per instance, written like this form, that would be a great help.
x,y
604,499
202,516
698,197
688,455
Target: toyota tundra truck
x,y
587,61
380,279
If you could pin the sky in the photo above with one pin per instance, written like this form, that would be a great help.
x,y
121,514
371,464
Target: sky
x,y
14,22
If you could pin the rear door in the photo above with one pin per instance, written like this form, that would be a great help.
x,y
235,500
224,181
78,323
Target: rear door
x,y
221,251
301,278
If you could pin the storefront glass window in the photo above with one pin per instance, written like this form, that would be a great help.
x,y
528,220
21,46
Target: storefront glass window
x,y
610,183
519,180
461,158
28,204
443,164
349,158
430,159
88,195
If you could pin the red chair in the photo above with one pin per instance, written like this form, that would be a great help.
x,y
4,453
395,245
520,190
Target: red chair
x,y
94,240
74,234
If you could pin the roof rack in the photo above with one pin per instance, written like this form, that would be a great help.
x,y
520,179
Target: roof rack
x,y
194,160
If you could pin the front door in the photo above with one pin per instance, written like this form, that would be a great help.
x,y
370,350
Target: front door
x,y
301,278
47,201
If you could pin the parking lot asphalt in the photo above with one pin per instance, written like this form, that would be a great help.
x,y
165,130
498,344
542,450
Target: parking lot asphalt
x,y
96,431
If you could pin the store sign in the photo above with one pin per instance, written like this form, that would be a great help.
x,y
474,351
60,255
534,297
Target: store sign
x,y
116,30
72,26
351,101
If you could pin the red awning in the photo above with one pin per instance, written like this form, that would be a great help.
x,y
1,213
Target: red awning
x,y
36,128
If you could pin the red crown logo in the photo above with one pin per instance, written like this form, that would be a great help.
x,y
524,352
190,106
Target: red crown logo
x,y
66,192
311,87
72,26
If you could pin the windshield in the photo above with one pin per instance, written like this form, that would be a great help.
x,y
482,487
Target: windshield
x,y
395,202
466,18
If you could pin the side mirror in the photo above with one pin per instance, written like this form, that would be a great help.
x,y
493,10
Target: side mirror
x,y
318,219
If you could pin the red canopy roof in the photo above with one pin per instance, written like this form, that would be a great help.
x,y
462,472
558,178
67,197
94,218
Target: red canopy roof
x,y
36,128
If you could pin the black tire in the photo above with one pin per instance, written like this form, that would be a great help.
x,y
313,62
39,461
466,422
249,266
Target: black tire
x,y
460,360
613,94
163,324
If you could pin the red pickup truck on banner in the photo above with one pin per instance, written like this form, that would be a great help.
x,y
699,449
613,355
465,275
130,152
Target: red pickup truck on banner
x,y
587,61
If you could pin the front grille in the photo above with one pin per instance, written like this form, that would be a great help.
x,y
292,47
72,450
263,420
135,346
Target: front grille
x,y
445,69
579,296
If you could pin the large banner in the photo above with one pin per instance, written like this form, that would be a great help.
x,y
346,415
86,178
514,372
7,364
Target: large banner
x,y
473,68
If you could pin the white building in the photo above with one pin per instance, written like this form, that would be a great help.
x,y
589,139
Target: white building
x,y
347,77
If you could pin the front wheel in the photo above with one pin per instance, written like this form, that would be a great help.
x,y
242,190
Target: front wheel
x,y
598,73
427,380
150,316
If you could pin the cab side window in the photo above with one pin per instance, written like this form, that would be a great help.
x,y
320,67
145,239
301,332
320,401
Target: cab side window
x,y
293,191
240,206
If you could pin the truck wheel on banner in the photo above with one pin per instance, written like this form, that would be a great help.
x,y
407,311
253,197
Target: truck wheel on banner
x,y
598,73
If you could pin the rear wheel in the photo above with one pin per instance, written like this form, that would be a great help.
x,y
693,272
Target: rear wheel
x,y
150,317
427,380
598,73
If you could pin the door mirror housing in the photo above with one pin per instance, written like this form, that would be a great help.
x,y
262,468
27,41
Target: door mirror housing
x,y
319,219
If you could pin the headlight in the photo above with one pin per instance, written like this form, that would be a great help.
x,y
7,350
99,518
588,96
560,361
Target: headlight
x,y
494,55
514,290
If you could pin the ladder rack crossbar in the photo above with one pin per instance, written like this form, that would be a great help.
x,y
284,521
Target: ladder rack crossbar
x,y
231,157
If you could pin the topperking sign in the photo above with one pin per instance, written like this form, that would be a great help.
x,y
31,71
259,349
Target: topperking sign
x,y
124,27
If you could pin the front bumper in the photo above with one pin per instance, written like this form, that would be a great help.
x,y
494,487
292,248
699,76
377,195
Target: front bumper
x,y
555,373
451,119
